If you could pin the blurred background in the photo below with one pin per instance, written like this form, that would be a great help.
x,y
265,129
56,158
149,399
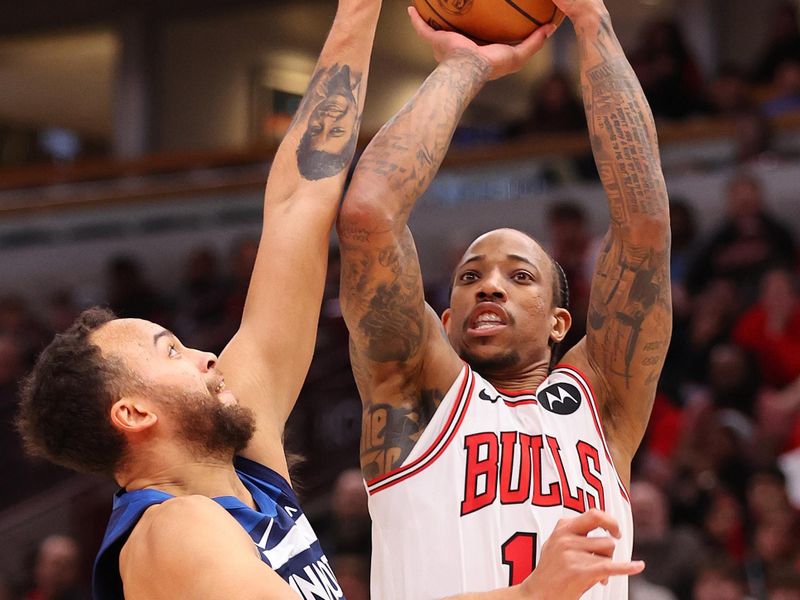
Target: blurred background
x,y
135,139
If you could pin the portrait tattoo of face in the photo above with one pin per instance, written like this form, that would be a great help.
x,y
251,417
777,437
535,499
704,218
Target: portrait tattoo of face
x,y
332,114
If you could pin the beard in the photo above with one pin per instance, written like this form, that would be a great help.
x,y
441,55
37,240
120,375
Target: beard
x,y
499,362
214,429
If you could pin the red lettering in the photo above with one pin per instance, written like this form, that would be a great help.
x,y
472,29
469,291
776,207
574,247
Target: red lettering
x,y
508,441
570,501
553,496
476,467
588,452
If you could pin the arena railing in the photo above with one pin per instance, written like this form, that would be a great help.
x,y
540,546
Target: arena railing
x,y
95,182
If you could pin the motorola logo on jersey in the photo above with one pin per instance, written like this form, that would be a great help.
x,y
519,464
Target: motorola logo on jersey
x,y
560,398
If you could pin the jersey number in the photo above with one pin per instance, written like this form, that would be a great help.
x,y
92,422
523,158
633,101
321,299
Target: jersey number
x,y
519,553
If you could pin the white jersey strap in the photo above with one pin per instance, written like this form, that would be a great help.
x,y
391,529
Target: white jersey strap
x,y
586,387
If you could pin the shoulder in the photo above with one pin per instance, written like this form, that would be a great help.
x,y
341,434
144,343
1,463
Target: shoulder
x,y
194,520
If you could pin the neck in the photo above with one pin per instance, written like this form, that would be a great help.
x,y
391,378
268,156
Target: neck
x,y
185,476
518,379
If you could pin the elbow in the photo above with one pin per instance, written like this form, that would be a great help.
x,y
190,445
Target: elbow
x,y
364,212
649,231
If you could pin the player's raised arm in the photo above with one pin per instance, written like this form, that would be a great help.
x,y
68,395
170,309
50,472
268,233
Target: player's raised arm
x,y
266,362
630,312
402,363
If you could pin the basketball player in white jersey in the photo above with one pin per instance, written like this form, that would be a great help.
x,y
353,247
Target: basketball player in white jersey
x,y
476,448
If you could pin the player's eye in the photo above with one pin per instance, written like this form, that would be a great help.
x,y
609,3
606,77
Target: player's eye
x,y
468,276
522,276
173,351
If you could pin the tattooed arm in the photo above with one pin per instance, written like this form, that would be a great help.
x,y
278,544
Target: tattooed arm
x,y
630,312
402,363
267,360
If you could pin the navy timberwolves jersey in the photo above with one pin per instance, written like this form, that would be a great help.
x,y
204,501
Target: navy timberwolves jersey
x,y
280,530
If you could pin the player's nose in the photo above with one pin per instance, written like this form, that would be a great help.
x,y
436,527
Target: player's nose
x,y
205,361
491,287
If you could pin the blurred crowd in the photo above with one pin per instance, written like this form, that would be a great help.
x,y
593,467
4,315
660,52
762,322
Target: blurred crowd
x,y
677,88
716,483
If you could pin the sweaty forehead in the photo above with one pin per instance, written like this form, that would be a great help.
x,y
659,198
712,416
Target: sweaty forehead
x,y
500,243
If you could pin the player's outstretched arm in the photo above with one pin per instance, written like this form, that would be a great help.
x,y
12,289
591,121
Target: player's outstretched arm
x,y
402,363
266,362
630,311
190,547
571,562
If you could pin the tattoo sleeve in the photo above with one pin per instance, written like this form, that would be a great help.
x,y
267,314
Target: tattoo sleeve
x,y
630,314
391,327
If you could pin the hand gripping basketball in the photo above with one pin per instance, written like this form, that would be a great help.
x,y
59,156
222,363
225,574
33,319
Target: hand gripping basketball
x,y
571,561
503,59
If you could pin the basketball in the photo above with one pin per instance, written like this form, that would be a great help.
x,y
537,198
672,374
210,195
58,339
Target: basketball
x,y
489,21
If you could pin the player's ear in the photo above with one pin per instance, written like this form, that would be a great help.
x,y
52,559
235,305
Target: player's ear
x,y
132,414
446,320
560,324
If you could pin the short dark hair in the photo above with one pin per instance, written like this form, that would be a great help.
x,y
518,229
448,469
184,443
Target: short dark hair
x,y
65,400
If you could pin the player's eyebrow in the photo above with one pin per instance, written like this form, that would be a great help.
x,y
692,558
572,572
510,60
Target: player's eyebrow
x,y
160,334
474,258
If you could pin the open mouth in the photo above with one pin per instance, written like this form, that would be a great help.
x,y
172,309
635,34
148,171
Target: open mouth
x,y
487,318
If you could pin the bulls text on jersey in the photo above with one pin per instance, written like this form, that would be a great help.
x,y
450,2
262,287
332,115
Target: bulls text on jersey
x,y
507,467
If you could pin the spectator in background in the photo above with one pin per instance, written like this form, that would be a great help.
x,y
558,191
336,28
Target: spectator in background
x,y
783,43
786,98
753,138
347,529
352,572
202,301
575,249
746,243
129,294
684,236
243,259
784,585
729,94
668,72
555,107
56,574
671,554
771,329
720,579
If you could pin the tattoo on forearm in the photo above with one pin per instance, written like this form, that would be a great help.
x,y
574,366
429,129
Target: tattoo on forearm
x,y
629,320
629,310
331,114
406,154
390,432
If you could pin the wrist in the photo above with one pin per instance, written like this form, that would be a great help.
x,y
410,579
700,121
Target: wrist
x,y
467,60
587,22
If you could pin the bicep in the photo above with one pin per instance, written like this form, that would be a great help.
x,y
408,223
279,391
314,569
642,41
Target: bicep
x,y
629,326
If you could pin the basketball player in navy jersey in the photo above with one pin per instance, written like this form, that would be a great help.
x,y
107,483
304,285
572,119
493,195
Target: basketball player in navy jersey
x,y
493,460
124,397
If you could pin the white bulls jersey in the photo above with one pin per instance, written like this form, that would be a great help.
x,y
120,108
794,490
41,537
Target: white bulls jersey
x,y
485,485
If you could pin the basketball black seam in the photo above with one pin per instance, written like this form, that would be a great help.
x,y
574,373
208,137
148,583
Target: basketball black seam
x,y
524,14
454,28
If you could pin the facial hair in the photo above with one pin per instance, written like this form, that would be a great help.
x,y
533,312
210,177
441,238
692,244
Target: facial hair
x,y
500,362
214,429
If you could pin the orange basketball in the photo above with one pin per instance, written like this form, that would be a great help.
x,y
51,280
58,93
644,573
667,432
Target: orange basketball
x,y
487,21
